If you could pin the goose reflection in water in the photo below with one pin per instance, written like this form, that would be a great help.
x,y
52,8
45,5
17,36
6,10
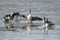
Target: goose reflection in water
x,y
47,28
48,25
29,26
8,25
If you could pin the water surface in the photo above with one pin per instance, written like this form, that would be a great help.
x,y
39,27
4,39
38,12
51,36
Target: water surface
x,y
40,8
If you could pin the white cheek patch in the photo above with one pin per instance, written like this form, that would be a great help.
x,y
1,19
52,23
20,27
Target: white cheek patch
x,y
7,17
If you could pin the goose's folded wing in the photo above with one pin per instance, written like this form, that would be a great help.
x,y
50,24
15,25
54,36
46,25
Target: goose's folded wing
x,y
36,18
24,16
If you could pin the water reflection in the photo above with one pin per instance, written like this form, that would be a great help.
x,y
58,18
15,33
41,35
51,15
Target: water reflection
x,y
10,27
29,26
47,28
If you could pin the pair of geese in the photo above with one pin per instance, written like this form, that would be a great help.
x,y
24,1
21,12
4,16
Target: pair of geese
x,y
29,17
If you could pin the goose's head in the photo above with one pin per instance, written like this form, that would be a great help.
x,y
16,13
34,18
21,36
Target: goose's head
x,y
30,12
7,17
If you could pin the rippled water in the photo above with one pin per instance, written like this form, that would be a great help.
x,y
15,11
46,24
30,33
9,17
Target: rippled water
x,y
40,8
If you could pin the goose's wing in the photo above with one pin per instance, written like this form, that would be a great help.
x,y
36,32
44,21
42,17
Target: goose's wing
x,y
48,22
36,18
24,16
16,14
51,24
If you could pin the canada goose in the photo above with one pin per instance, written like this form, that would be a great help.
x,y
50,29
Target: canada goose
x,y
8,24
13,17
8,19
47,24
30,17
47,21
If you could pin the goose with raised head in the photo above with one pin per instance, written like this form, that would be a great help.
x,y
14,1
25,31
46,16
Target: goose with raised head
x,y
7,23
30,17
47,24
7,18
15,16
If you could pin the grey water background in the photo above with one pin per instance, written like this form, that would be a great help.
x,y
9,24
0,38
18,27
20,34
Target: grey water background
x,y
40,8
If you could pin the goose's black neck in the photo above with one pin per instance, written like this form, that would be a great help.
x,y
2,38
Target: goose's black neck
x,y
44,19
15,14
